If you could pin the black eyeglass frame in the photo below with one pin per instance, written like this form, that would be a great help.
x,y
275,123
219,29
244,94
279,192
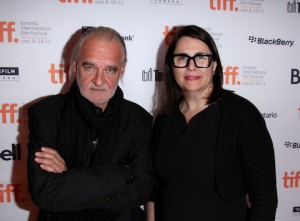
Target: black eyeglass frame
x,y
210,57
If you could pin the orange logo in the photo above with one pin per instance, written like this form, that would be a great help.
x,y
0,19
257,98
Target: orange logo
x,y
292,180
230,75
7,28
9,111
76,1
169,34
222,5
59,76
7,191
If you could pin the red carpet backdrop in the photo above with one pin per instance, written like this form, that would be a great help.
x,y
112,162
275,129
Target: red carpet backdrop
x,y
259,43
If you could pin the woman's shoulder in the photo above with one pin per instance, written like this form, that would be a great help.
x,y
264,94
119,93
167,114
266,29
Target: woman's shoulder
x,y
239,107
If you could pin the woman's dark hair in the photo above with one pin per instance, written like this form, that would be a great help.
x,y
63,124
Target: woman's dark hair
x,y
172,96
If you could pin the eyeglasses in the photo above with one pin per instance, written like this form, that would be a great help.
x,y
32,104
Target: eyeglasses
x,y
200,60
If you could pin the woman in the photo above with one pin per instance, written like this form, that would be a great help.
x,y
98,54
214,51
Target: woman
x,y
212,147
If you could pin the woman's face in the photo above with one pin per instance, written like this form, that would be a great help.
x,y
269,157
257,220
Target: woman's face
x,y
192,79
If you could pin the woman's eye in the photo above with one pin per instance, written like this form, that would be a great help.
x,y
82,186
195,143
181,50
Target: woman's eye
x,y
183,58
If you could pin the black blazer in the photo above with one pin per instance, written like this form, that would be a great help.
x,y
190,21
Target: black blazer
x,y
115,186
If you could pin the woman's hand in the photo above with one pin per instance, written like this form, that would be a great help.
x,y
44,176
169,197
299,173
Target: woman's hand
x,y
50,160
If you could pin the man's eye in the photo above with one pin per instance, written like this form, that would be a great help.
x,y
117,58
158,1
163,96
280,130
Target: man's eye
x,y
89,68
111,70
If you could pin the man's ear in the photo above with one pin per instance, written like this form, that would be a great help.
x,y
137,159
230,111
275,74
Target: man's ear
x,y
74,68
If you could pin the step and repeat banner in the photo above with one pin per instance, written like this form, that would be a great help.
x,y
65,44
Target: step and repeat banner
x,y
259,43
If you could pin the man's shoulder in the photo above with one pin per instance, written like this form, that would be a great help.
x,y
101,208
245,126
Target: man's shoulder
x,y
133,109
50,102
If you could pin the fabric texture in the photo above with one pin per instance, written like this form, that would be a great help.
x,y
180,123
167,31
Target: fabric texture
x,y
107,153
205,168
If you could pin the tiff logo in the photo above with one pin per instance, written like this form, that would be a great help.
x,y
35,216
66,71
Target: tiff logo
x,y
10,111
230,75
169,34
7,192
147,75
60,75
76,1
7,29
222,5
292,7
292,180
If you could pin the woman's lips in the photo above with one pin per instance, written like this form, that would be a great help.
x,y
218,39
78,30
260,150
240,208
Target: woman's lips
x,y
192,78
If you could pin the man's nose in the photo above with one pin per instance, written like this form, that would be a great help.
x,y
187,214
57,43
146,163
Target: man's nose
x,y
98,78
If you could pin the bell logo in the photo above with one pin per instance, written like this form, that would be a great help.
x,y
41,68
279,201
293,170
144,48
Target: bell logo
x,y
59,76
7,29
9,111
76,1
13,154
292,180
147,75
293,7
222,5
169,34
295,76
6,192
230,75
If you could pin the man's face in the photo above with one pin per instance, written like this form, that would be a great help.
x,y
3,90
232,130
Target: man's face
x,y
98,69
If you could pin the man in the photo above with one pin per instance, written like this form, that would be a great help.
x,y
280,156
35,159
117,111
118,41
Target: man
x,y
89,149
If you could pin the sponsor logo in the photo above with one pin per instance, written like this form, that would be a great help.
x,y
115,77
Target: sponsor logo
x,y
248,6
291,180
170,33
293,145
99,2
7,29
13,154
34,33
296,211
128,38
295,76
59,75
8,113
223,5
230,75
170,2
274,41
269,115
9,73
76,1
14,192
151,74
245,75
293,7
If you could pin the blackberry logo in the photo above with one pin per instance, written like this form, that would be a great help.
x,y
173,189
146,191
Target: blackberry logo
x,y
274,41
252,39
294,145
287,144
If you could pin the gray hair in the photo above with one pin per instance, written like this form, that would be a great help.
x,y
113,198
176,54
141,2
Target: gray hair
x,y
101,33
